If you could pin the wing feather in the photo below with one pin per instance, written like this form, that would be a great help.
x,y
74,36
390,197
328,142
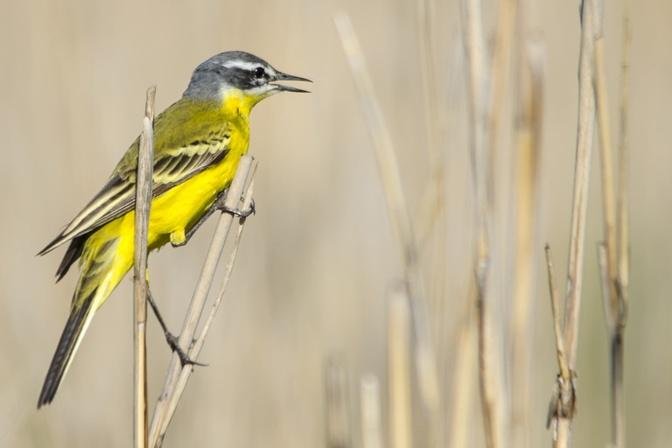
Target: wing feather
x,y
177,157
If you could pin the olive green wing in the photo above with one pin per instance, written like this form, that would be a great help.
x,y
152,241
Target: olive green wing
x,y
189,137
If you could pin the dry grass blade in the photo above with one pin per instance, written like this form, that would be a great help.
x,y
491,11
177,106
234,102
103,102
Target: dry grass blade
x,y
177,376
388,168
143,200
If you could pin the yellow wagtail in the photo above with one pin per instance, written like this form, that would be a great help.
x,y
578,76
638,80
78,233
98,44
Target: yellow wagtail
x,y
199,141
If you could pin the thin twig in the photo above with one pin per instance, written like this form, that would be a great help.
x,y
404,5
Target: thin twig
x,y
584,143
528,142
388,168
177,376
143,201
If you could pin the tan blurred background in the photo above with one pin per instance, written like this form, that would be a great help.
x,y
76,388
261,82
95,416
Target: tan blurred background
x,y
317,261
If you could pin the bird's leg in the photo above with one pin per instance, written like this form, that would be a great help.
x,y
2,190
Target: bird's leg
x,y
170,337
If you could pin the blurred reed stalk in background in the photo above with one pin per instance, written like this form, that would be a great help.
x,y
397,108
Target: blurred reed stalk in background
x,y
505,411
337,399
481,123
372,431
613,251
529,116
412,285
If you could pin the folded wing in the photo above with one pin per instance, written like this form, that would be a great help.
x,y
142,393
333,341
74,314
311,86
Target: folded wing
x,y
189,138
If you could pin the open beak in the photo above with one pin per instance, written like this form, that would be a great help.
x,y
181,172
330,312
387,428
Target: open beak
x,y
285,77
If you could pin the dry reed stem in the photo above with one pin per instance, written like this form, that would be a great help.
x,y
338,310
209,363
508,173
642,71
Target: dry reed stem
x,y
500,66
177,376
607,169
400,218
528,141
338,431
615,247
586,126
432,200
556,308
399,370
143,201
624,165
563,401
242,184
425,14
492,394
462,390
584,143
372,429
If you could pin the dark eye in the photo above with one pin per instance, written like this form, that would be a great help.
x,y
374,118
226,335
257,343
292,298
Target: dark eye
x,y
259,72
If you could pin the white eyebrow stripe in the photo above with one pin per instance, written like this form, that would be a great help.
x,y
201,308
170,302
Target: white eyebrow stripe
x,y
242,64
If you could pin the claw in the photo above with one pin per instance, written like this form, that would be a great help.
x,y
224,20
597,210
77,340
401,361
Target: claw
x,y
242,214
184,358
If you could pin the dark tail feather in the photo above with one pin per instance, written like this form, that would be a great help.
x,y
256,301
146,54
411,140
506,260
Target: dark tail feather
x,y
71,255
65,350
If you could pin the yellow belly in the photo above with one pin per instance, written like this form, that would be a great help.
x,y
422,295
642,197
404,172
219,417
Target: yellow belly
x,y
172,212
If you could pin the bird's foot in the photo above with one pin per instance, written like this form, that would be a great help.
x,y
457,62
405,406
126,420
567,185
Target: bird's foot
x,y
185,360
242,214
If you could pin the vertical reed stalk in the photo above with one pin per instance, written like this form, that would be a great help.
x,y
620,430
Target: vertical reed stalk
x,y
462,390
480,110
615,246
143,200
586,125
399,370
390,176
528,141
372,431
338,432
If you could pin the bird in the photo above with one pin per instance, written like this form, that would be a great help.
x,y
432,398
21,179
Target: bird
x,y
198,143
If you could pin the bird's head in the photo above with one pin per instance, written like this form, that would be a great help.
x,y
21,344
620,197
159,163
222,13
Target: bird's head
x,y
236,74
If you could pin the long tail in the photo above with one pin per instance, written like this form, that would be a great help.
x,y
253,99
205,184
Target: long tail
x,y
74,330
101,270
